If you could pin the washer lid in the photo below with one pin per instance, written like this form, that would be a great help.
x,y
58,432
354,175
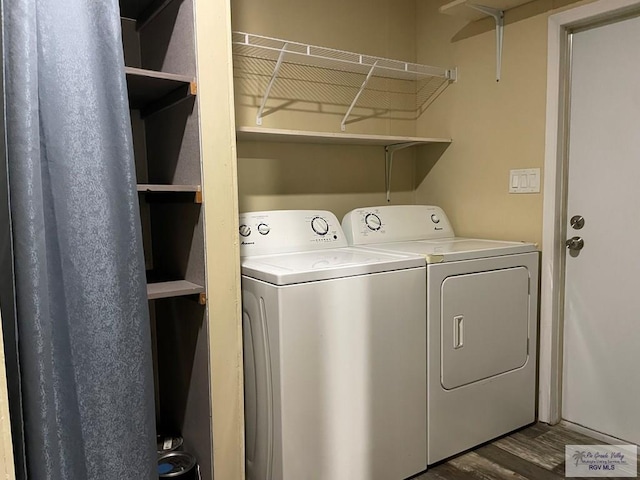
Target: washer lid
x,y
292,268
457,248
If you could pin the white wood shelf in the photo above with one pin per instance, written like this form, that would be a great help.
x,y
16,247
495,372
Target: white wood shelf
x,y
390,143
178,288
461,8
258,134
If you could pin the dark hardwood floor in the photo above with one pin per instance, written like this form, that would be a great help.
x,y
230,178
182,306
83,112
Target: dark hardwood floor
x,y
533,453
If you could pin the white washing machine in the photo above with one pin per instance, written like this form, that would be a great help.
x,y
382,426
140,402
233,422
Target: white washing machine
x,y
482,299
335,362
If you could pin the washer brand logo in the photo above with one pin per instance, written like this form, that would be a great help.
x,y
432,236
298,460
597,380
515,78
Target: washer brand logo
x,y
601,461
247,243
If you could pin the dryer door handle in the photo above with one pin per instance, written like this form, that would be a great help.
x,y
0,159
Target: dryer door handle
x,y
458,331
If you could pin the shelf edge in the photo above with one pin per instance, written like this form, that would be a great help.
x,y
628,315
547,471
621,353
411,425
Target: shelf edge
x,y
152,187
255,134
177,288
461,8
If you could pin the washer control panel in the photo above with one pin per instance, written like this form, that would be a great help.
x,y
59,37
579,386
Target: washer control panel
x,y
395,223
284,231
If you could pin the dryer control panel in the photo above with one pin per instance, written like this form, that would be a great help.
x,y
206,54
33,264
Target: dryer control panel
x,y
284,231
395,223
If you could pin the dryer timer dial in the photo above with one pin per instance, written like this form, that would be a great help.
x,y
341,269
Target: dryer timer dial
x,y
372,221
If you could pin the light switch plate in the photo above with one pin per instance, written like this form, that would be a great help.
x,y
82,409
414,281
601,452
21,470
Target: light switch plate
x,y
525,180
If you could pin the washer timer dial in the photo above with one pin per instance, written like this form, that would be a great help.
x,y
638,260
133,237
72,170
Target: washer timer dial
x,y
263,229
435,218
245,230
320,226
373,222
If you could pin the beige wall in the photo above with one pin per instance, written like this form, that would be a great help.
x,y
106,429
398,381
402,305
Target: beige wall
x,y
495,126
6,451
329,177
336,178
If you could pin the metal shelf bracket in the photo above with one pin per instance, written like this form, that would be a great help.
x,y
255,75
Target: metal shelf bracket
x,y
498,16
389,150
274,76
343,124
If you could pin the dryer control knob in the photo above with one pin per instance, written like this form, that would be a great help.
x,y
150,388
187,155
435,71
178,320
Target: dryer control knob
x,y
373,222
435,218
320,226
263,229
245,230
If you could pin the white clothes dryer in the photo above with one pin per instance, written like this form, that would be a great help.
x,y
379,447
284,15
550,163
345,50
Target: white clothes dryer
x,y
334,345
482,298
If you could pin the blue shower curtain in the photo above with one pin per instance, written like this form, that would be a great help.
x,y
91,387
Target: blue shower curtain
x,y
83,329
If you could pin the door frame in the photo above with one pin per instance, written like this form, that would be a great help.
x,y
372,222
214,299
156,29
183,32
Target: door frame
x,y
555,193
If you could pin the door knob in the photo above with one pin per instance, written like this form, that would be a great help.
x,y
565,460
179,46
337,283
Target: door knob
x,y
575,244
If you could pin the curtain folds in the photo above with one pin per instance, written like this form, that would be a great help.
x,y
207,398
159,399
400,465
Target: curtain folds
x,y
83,326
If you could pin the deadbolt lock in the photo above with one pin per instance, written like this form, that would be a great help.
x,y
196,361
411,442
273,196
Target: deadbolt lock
x,y
577,222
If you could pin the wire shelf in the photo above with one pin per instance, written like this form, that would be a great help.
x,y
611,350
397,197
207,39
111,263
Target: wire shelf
x,y
275,67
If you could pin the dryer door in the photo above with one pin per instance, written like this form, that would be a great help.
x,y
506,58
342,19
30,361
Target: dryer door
x,y
484,325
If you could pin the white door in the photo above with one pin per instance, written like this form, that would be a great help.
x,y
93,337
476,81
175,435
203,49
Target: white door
x,y
601,381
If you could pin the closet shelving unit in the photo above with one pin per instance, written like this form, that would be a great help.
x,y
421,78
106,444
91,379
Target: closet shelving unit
x,y
159,48
151,92
474,10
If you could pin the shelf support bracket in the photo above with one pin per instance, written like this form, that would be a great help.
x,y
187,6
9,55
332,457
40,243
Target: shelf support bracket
x,y
389,150
498,16
274,76
343,124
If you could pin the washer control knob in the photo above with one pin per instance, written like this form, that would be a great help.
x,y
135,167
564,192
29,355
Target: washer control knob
x,y
320,226
245,230
263,229
373,222
435,218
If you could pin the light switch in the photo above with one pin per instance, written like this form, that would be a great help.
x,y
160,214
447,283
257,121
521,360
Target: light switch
x,y
524,180
514,181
